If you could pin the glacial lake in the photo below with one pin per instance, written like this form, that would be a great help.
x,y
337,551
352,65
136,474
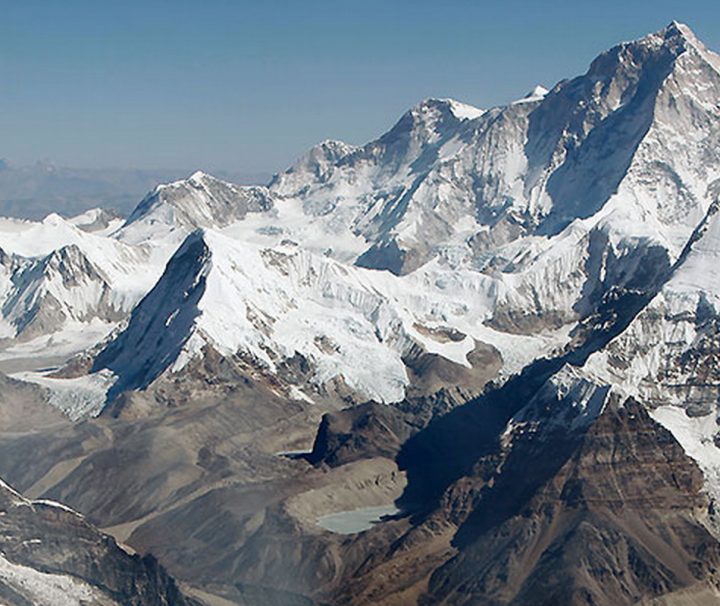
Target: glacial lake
x,y
355,520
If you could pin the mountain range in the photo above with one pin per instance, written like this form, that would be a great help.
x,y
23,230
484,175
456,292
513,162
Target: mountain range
x,y
473,361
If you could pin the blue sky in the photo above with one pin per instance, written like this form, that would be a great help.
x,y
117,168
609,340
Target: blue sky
x,y
248,86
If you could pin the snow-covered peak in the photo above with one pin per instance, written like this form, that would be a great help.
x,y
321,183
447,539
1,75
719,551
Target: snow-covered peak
x,y
430,120
652,56
262,304
49,292
171,211
199,179
199,176
270,305
536,94
62,288
325,152
680,31
680,36
70,263
514,170
502,224
100,221
317,164
465,111
89,216
332,149
434,106
427,123
54,219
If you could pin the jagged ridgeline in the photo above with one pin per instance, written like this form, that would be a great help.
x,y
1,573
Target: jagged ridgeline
x,y
500,326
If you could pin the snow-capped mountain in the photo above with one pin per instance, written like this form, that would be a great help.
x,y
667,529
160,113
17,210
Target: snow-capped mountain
x,y
453,180
271,305
63,287
98,221
199,201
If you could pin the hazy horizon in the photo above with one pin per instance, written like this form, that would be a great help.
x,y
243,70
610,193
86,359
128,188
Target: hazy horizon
x,y
240,88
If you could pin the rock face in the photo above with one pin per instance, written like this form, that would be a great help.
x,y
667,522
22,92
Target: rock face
x,y
550,504
612,516
50,555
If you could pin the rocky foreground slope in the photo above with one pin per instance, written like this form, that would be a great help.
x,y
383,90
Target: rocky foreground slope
x,y
496,328
51,555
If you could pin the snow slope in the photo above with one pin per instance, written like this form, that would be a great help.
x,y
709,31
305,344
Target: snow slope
x,y
632,141
270,304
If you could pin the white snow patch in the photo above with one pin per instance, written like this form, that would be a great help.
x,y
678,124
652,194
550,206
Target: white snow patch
x,y
536,94
56,505
465,111
48,589
73,338
78,397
